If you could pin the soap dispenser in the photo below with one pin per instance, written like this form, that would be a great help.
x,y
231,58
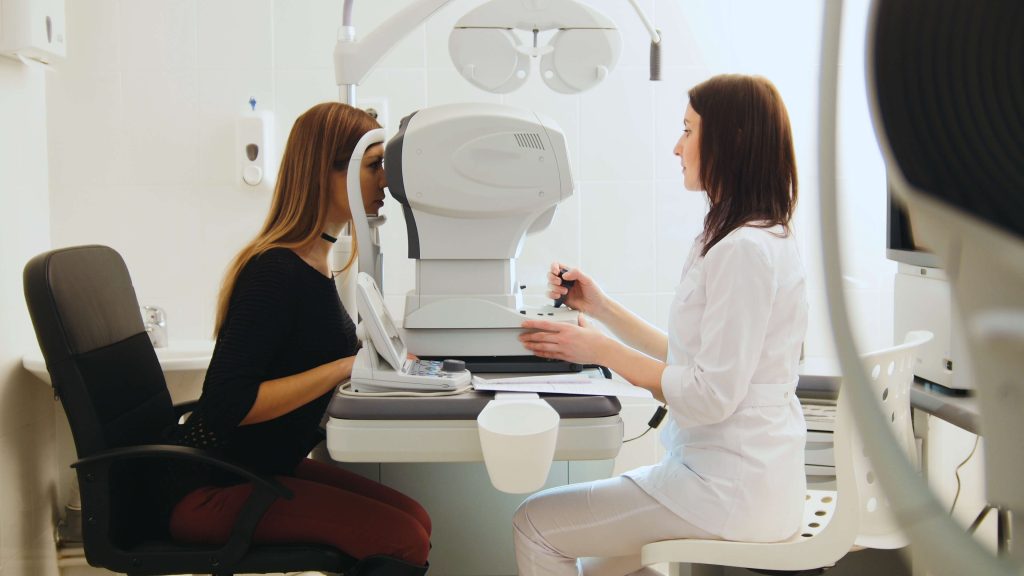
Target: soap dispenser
x,y
253,138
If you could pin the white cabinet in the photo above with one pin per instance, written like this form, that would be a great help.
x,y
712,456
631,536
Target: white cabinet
x,y
819,460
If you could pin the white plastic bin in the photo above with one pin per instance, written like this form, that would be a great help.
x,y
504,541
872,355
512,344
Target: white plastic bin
x,y
518,438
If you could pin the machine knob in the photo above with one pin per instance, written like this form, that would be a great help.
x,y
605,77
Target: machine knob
x,y
453,366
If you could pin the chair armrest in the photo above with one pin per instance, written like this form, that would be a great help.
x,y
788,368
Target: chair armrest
x,y
266,490
185,408
183,453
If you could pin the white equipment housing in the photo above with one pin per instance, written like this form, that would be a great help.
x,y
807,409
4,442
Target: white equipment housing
x,y
582,52
923,300
382,364
473,180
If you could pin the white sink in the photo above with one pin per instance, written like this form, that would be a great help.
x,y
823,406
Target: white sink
x,y
185,355
183,362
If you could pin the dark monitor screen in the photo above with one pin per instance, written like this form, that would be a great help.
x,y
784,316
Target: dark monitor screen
x,y
901,245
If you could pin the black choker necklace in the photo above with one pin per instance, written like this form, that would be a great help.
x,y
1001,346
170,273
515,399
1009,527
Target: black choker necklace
x,y
328,237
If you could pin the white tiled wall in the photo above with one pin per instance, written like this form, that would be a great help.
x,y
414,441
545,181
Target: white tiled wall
x,y
28,475
143,111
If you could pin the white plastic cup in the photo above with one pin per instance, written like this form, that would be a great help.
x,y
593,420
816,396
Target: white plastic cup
x,y
518,440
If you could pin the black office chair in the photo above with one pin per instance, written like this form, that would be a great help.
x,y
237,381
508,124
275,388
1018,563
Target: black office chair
x,y
104,369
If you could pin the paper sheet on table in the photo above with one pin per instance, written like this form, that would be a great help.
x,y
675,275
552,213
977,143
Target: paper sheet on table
x,y
561,384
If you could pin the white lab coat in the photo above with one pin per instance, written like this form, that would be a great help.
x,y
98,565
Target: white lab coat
x,y
734,462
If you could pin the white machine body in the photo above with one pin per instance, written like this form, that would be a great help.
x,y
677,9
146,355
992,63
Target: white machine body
x,y
477,177
923,301
382,364
473,181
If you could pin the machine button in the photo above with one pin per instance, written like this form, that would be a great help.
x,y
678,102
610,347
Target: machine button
x,y
453,366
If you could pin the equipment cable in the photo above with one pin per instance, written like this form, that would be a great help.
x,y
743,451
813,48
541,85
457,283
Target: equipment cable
x,y
977,440
653,423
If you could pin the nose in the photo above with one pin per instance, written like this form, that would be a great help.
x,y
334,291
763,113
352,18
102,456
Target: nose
x,y
678,150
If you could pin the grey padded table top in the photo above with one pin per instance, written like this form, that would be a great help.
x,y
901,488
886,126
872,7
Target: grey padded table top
x,y
461,407
959,410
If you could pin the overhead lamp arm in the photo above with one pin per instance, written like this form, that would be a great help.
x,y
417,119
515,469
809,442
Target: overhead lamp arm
x,y
655,57
654,32
354,59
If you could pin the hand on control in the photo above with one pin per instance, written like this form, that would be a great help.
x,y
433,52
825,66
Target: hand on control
x,y
583,294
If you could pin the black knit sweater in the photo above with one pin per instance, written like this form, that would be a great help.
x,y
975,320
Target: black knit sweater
x,y
284,317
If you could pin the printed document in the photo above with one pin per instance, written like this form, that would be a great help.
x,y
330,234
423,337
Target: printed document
x,y
560,384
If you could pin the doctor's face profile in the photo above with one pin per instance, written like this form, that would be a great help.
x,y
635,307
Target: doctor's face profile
x,y
688,150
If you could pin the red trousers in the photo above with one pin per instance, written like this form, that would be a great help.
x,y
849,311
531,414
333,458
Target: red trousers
x,y
330,506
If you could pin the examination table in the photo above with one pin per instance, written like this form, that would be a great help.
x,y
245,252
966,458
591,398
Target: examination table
x,y
428,448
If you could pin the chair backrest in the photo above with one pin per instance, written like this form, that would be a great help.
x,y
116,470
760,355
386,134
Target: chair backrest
x,y
861,499
101,364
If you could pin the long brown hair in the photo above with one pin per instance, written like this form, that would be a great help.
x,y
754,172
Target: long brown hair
x,y
747,161
322,139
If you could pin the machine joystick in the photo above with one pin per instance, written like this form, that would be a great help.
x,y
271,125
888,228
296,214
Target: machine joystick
x,y
567,283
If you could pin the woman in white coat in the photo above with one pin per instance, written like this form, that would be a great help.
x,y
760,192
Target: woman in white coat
x,y
727,369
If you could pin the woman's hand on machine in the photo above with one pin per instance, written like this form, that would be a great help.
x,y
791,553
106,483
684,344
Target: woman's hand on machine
x,y
581,344
581,294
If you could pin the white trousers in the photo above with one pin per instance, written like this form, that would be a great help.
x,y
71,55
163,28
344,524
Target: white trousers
x,y
602,523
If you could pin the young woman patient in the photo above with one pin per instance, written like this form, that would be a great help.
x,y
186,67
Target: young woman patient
x,y
284,343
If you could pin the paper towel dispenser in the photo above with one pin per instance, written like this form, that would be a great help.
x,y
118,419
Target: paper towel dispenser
x,y
33,29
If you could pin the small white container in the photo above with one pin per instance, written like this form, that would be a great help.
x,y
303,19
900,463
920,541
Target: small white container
x,y
33,30
254,139
518,437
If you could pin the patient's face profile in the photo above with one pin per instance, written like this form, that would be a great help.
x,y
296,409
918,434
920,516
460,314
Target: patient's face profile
x,y
371,179
688,150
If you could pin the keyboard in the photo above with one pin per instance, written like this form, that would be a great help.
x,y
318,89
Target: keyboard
x,y
425,368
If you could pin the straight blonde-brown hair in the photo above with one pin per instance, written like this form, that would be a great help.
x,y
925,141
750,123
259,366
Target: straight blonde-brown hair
x,y
322,140
747,160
